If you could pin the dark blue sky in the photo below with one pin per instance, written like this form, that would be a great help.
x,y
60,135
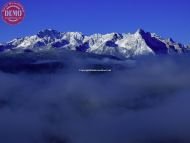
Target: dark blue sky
x,y
165,17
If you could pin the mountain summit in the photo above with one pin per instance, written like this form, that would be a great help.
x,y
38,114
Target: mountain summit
x,y
112,44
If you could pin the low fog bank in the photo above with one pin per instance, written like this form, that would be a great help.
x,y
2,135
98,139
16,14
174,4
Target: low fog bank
x,y
148,103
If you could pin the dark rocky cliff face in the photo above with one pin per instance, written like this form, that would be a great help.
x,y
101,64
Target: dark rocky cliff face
x,y
157,46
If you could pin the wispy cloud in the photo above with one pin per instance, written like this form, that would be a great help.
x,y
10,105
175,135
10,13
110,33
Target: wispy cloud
x,y
148,103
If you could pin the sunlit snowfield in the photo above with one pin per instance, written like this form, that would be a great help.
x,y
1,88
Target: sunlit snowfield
x,y
148,101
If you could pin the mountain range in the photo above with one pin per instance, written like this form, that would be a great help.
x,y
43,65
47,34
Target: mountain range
x,y
118,45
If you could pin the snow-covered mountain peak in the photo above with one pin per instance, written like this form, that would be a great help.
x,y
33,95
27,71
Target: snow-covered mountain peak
x,y
170,40
73,35
140,31
115,44
49,33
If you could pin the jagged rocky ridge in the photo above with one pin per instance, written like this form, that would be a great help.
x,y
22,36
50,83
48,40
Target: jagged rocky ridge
x,y
114,44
